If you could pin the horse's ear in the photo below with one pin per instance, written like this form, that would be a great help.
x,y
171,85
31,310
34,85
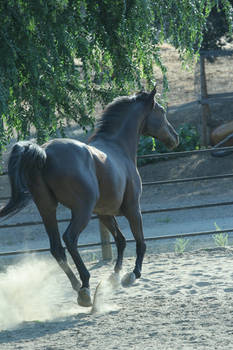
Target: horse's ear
x,y
152,95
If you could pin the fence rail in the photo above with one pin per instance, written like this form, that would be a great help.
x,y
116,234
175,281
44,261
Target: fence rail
x,y
166,182
185,153
144,212
98,244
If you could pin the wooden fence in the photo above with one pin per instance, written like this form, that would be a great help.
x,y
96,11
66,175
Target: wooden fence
x,y
205,98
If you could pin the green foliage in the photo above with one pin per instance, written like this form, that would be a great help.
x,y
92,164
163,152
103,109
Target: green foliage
x,y
59,57
145,146
217,27
189,138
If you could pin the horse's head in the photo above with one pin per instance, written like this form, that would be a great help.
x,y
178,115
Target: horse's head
x,y
157,125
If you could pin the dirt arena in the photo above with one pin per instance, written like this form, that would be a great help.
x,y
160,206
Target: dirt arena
x,y
181,302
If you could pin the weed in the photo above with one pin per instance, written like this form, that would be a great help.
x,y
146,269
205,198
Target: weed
x,y
180,245
220,239
165,220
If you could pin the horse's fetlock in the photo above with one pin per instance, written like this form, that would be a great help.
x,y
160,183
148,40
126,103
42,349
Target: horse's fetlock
x,y
137,273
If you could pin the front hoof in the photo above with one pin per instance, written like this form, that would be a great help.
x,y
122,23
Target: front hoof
x,y
128,279
84,297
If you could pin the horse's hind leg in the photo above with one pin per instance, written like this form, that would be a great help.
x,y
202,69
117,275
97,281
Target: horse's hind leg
x,y
80,218
47,205
57,250
111,224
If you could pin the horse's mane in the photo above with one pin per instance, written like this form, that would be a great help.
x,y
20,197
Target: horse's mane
x,y
114,112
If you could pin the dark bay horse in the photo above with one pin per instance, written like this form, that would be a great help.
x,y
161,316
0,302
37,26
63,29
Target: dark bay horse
x,y
99,177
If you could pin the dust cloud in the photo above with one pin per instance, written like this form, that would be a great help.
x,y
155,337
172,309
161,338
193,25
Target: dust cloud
x,y
34,290
103,300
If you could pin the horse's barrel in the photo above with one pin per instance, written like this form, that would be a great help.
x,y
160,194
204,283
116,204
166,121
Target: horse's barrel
x,y
221,132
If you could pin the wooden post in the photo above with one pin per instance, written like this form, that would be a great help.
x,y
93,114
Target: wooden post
x,y
105,240
205,106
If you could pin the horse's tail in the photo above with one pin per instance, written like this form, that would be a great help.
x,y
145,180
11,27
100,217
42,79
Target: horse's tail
x,y
25,160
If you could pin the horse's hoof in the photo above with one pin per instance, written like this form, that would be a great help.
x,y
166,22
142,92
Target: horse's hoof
x,y
84,297
128,279
114,280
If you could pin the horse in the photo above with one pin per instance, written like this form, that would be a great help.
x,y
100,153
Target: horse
x,y
99,177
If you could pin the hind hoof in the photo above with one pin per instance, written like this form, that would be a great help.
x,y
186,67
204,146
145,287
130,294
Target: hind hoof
x,y
84,297
128,279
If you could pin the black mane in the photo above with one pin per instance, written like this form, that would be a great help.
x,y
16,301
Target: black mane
x,y
115,111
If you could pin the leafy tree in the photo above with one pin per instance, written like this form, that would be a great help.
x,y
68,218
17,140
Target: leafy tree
x,y
216,28
60,57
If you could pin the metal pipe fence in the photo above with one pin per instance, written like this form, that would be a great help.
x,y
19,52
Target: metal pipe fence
x,y
98,244
144,212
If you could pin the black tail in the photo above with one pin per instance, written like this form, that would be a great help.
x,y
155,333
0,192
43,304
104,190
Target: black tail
x,y
25,159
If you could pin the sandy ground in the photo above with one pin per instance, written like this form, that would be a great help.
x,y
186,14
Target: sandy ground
x,y
181,302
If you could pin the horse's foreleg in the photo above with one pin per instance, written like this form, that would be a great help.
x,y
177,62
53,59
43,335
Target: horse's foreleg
x,y
112,226
137,230
135,221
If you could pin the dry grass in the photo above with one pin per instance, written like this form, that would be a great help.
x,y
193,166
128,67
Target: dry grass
x,y
183,87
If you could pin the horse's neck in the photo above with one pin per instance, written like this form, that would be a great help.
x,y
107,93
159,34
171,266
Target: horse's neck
x,y
128,138
125,138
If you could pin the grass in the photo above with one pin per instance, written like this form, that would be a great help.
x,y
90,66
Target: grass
x,y
220,239
180,245
165,220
